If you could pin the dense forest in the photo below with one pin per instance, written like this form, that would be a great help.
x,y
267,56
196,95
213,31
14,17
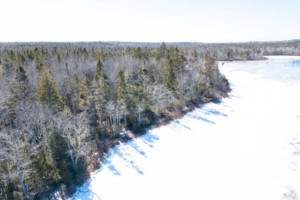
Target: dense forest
x,y
62,105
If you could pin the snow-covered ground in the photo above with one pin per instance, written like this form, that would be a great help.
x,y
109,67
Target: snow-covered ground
x,y
245,148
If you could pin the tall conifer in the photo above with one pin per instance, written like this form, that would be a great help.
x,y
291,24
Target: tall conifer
x,y
47,90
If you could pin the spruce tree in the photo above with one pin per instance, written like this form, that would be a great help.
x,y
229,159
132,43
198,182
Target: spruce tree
x,y
169,75
195,55
38,62
162,51
100,77
21,74
47,91
99,71
121,85
20,85
99,88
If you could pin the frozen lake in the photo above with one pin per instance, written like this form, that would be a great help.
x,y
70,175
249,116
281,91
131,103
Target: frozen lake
x,y
246,147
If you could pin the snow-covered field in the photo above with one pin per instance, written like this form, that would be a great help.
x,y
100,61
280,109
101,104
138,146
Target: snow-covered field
x,y
245,148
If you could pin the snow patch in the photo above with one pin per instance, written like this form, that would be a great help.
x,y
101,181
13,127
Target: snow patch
x,y
246,147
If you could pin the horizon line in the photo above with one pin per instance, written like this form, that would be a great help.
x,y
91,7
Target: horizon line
x,y
147,42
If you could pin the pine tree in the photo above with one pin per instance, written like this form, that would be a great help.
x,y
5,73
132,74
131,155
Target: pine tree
x,y
99,90
47,91
195,55
169,75
100,77
171,81
44,166
82,94
99,71
19,59
178,60
20,85
38,62
21,75
121,84
162,51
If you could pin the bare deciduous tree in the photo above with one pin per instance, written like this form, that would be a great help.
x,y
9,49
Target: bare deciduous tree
x,y
75,132
161,97
115,112
16,149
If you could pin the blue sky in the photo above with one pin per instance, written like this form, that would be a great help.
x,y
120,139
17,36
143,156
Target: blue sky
x,y
149,20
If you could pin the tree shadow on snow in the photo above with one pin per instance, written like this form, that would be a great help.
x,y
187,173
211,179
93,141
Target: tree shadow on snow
x,y
295,143
134,146
179,124
232,96
197,117
126,155
107,163
211,111
291,195
149,138
85,193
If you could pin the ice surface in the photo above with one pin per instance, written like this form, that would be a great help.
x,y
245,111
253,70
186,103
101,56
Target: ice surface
x,y
246,147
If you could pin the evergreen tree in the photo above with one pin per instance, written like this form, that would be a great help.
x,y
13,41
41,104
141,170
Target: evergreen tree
x,y
99,73
100,78
195,55
38,61
162,51
21,75
47,91
169,76
111,98
82,94
121,84
170,80
20,86
19,59
45,170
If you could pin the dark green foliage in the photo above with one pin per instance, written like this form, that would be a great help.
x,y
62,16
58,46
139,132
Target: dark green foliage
x,y
38,61
20,86
45,172
162,51
99,73
121,85
47,91
195,55
67,100
110,87
61,160
21,75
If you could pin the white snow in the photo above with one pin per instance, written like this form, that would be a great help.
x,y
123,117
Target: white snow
x,y
245,148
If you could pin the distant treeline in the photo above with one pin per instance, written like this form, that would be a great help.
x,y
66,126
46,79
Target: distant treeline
x,y
220,51
63,104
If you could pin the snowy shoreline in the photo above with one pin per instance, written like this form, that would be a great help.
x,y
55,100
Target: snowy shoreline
x,y
242,148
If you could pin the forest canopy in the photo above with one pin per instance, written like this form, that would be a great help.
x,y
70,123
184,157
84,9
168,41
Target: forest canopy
x,y
63,104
